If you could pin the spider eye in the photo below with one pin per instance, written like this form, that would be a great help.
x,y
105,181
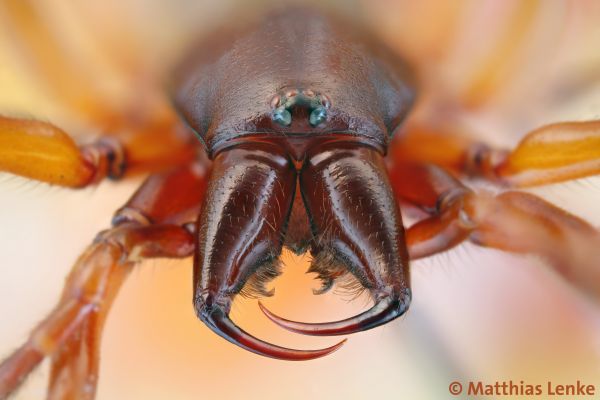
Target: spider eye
x,y
282,116
316,104
318,115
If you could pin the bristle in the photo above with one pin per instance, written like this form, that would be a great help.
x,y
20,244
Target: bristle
x,y
330,270
256,286
348,286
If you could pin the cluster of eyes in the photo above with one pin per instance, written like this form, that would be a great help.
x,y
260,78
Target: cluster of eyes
x,y
318,104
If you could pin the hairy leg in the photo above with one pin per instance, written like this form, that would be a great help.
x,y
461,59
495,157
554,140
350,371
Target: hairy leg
x,y
41,151
141,131
512,221
549,154
151,224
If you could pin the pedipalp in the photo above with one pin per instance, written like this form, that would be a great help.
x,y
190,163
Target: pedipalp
x,y
151,224
552,153
511,221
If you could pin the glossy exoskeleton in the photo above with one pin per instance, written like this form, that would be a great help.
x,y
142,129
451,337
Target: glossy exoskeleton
x,y
293,115
280,111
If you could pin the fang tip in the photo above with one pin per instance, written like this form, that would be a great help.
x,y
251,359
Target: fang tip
x,y
220,323
384,310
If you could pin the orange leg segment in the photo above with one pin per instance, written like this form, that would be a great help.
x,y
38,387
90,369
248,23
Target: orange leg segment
x,y
512,221
145,133
554,153
150,225
550,154
41,151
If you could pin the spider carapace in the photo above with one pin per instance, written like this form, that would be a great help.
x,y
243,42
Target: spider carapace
x,y
293,116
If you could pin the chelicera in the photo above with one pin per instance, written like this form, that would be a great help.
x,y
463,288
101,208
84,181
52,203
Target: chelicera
x,y
291,148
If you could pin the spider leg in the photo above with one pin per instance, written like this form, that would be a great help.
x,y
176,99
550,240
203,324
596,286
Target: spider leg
x,y
91,287
151,224
549,154
42,151
143,131
512,221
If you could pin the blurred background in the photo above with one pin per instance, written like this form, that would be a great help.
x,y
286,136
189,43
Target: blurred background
x,y
504,67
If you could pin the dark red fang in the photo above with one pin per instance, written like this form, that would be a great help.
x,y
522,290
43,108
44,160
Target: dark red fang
x,y
384,311
218,321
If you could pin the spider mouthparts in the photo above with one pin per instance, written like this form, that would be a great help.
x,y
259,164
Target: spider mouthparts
x,y
217,320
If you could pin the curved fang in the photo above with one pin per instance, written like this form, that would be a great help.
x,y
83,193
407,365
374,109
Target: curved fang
x,y
384,310
222,325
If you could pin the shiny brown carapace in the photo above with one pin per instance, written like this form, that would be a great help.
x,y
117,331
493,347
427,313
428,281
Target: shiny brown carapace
x,y
285,141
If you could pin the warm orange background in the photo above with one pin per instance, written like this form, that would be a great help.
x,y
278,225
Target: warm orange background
x,y
477,314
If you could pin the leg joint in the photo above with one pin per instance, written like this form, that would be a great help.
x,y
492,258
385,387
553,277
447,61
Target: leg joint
x,y
108,156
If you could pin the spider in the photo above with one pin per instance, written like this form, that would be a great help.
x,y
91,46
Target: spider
x,y
296,160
